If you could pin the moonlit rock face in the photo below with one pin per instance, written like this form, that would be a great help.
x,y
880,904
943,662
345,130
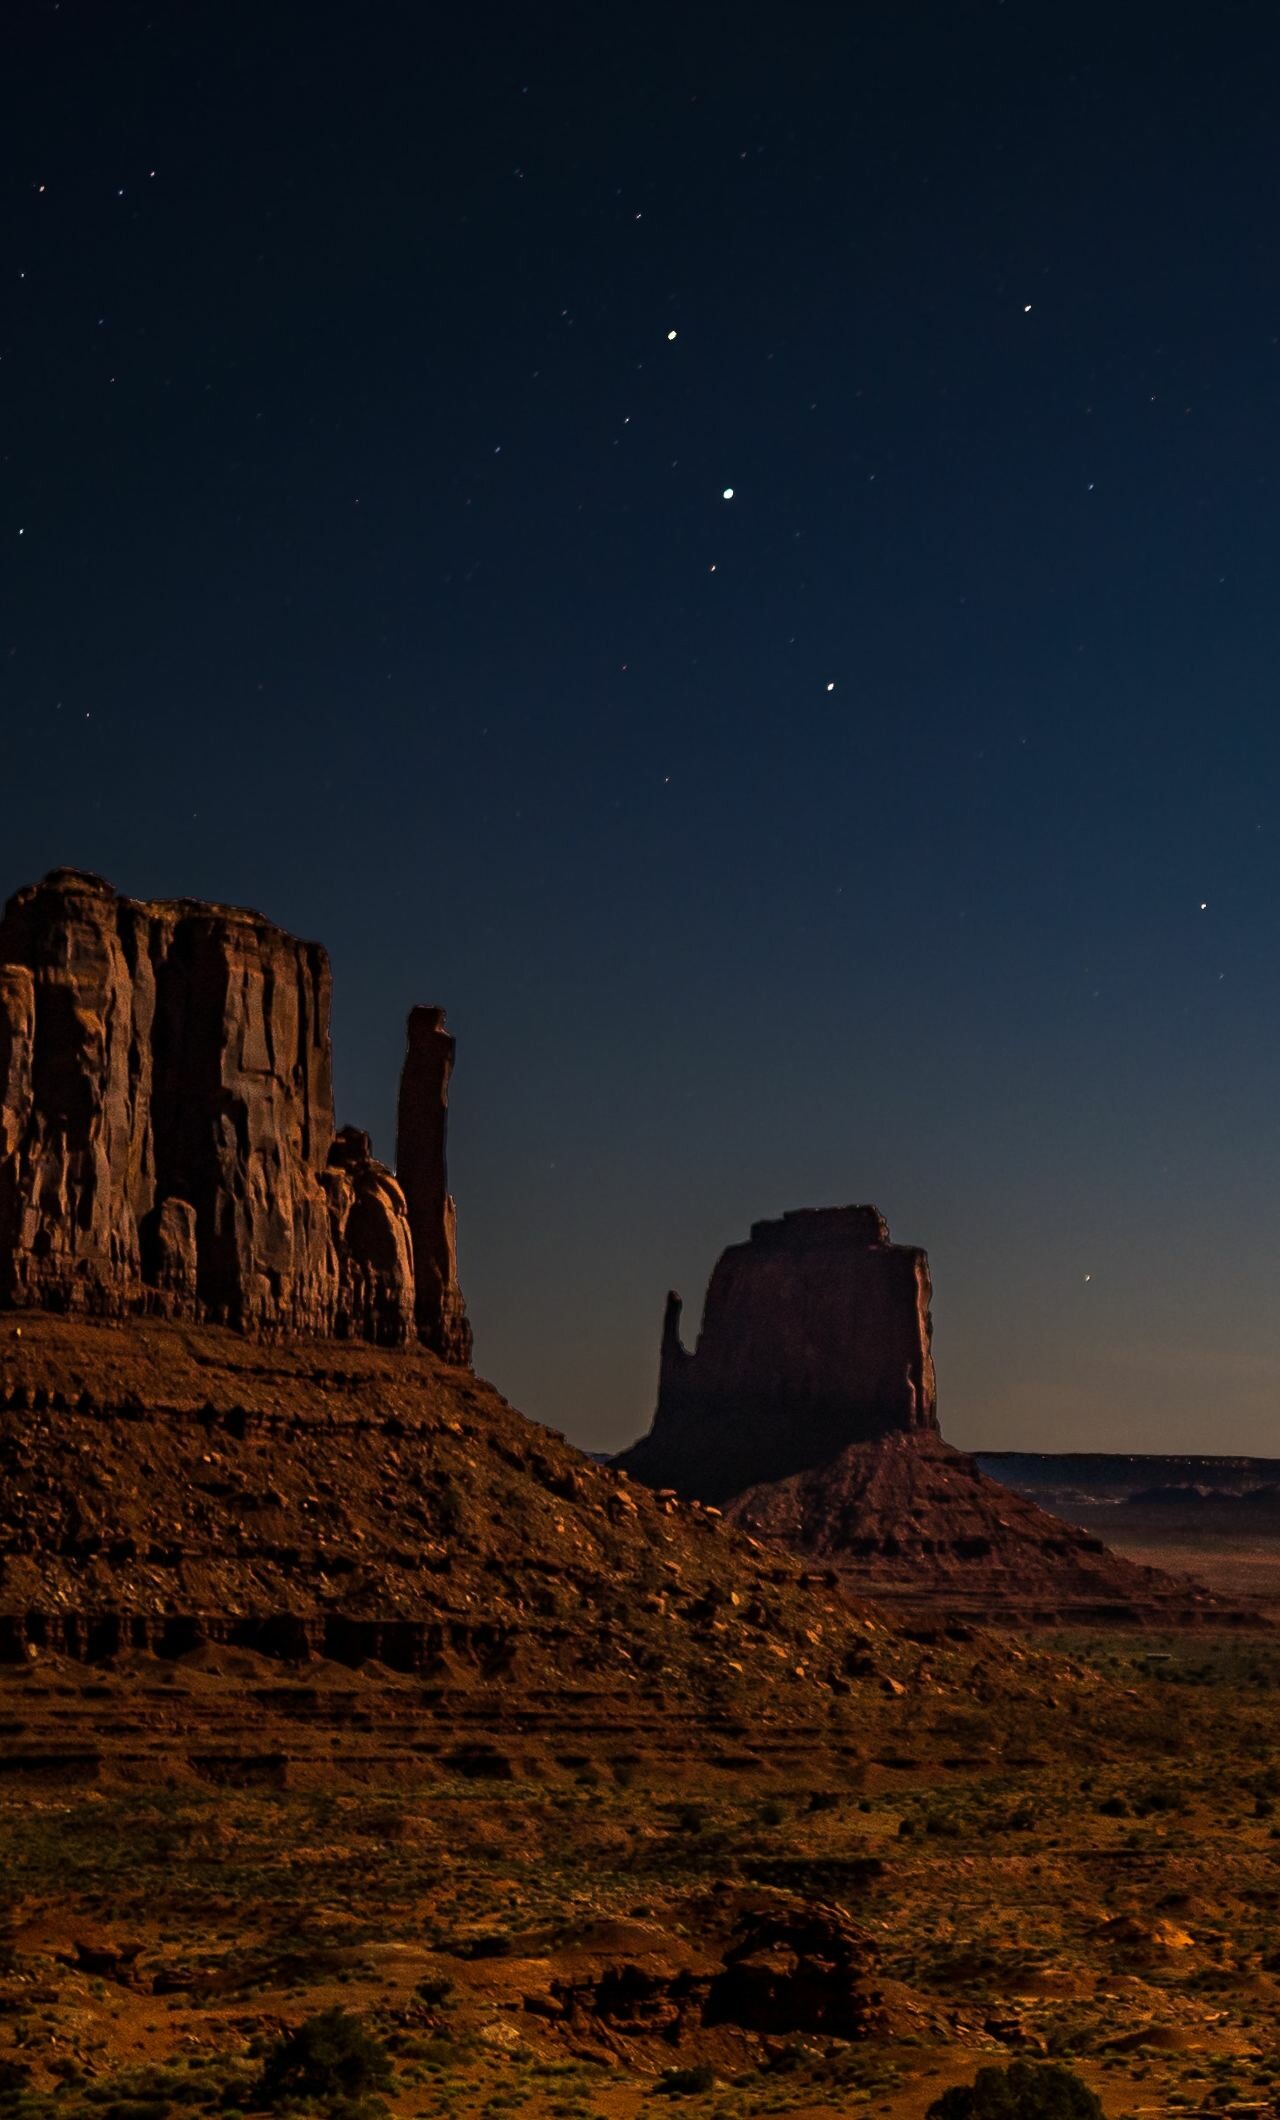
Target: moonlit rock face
x,y
167,1140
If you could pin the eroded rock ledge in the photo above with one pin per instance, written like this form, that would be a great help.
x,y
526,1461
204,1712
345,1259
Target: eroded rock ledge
x,y
167,1136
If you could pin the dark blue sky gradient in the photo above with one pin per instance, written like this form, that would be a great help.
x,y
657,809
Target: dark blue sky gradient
x,y
357,531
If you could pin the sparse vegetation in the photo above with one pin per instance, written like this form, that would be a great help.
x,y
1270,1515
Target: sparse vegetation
x,y
1024,2090
331,2060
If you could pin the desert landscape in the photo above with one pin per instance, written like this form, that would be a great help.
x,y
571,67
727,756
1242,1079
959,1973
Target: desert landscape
x,y
1214,1518
644,1480
367,1747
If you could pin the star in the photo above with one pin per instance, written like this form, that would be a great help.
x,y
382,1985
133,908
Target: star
x,y
671,335
727,495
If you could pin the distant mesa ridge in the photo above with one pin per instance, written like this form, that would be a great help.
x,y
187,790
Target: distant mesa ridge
x,y
167,1133
816,1333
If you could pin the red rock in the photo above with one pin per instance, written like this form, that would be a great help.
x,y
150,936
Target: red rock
x,y
815,1334
808,1409
421,1167
167,1131
373,1243
168,1237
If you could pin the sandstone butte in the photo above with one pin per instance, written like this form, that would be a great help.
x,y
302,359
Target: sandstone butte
x,y
814,1334
167,1134
808,1410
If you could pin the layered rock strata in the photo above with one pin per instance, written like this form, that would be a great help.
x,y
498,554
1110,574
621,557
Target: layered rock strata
x,y
808,1412
815,1334
167,1139
170,1487
917,1523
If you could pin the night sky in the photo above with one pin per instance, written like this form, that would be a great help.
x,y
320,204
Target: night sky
x,y
736,549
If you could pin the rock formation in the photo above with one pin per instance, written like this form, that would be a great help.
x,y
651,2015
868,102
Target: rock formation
x,y
808,1412
917,1523
167,1136
420,1162
815,1334
167,1487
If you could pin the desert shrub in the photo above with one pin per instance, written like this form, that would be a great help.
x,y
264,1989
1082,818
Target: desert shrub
x,y
677,2082
492,1943
1025,2090
433,1991
331,2059
1160,1797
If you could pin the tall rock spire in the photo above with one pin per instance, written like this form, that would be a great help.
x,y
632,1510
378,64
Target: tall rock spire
x,y
421,1169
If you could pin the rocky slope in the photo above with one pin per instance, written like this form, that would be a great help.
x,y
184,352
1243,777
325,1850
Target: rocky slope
x,y
166,1487
914,1522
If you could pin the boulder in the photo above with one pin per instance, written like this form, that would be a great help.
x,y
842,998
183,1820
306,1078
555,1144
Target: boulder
x,y
168,1249
795,1969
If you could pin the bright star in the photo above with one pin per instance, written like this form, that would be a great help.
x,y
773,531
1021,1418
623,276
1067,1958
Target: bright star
x,y
727,495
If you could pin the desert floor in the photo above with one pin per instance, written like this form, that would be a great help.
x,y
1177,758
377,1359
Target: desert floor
x,y
1085,1865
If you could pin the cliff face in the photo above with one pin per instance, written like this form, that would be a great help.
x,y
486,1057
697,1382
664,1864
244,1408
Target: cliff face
x,y
815,1335
166,1124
